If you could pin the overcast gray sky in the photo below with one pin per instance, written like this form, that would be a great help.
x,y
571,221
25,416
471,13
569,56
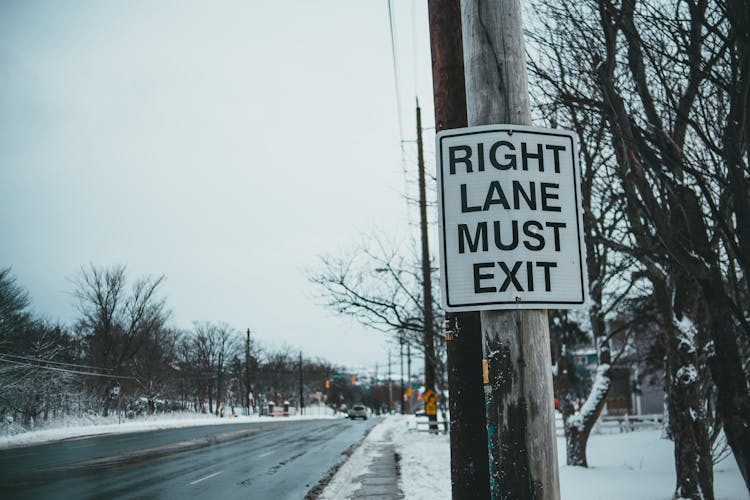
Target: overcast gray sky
x,y
223,144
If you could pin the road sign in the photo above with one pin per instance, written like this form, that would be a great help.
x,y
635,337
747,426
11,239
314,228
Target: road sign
x,y
430,402
511,223
430,396
430,409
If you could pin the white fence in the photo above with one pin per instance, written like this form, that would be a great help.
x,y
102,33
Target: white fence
x,y
614,424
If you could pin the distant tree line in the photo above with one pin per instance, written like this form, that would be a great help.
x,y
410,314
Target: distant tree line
x,y
123,339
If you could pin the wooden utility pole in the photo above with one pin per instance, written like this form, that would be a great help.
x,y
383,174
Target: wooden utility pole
x,y
401,359
390,384
468,437
408,369
301,396
247,372
429,315
520,413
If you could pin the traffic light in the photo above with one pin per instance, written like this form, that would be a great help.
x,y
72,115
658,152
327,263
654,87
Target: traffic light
x,y
354,380
328,384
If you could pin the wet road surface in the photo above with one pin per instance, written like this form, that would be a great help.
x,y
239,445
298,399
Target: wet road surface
x,y
274,460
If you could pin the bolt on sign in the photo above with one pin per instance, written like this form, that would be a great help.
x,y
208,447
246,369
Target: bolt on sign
x,y
511,223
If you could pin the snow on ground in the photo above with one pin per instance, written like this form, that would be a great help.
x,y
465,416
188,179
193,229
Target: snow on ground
x,y
637,465
425,461
629,466
12,436
346,480
632,465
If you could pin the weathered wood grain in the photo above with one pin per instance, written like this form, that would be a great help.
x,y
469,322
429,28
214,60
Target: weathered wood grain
x,y
519,400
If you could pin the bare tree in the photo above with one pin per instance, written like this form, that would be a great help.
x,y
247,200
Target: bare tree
x,y
381,287
214,344
612,274
33,352
188,372
374,283
155,364
658,75
115,324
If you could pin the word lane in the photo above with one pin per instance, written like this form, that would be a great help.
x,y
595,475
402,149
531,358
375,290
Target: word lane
x,y
510,219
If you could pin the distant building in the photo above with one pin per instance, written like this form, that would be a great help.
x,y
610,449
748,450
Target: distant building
x,y
635,389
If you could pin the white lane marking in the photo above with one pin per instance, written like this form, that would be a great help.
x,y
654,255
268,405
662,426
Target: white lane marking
x,y
265,454
204,478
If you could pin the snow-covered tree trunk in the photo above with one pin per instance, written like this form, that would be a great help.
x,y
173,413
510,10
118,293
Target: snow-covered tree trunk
x,y
692,449
733,401
676,297
578,427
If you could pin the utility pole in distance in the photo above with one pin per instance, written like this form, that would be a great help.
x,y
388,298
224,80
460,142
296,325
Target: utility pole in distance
x,y
247,372
301,397
520,413
401,359
390,384
429,315
468,424
408,375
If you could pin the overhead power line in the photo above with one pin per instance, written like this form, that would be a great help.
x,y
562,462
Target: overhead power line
x,y
414,47
394,58
77,372
39,360
402,141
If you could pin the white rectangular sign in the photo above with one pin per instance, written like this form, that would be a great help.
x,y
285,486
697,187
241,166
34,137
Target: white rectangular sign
x,y
511,223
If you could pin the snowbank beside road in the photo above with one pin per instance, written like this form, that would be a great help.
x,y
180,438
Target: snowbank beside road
x,y
82,427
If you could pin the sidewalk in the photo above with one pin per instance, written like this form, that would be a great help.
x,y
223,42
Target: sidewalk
x,y
371,473
380,480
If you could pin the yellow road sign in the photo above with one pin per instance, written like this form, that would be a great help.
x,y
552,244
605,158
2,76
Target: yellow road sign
x,y
430,396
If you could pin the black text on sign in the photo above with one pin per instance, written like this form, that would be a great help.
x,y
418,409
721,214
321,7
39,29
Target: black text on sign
x,y
510,219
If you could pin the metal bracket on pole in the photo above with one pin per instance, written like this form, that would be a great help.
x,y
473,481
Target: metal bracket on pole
x,y
451,330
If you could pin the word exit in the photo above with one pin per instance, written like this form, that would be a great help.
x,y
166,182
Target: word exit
x,y
510,219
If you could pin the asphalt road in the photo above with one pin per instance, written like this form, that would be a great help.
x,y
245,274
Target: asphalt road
x,y
269,460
